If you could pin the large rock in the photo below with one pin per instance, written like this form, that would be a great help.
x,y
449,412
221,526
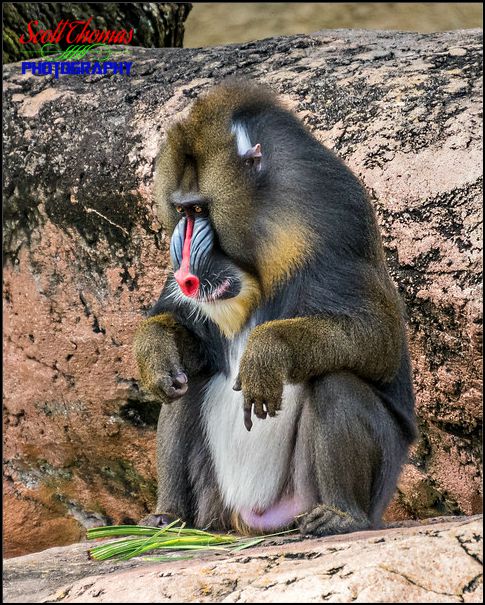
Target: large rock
x,y
85,256
155,24
439,563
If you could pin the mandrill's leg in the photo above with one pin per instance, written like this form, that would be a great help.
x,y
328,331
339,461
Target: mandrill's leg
x,y
355,453
175,425
186,486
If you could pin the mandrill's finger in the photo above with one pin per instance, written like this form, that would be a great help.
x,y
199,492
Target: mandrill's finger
x,y
259,410
237,385
273,405
180,379
162,382
248,423
172,385
179,384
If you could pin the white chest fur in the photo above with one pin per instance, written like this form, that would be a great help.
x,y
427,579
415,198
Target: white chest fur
x,y
251,467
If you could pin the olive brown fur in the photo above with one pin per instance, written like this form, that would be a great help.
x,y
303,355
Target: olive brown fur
x,y
295,310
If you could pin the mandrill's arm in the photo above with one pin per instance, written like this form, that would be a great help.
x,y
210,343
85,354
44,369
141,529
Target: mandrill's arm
x,y
294,350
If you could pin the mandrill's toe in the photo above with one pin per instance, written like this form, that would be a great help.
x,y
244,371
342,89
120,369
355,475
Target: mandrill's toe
x,y
326,520
158,520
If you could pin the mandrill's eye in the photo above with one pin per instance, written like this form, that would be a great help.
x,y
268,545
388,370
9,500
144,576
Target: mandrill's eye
x,y
197,209
179,209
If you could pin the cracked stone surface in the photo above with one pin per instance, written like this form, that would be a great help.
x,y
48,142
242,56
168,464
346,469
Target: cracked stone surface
x,y
429,563
85,255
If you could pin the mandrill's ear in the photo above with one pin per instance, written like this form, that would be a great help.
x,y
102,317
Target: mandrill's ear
x,y
250,153
253,156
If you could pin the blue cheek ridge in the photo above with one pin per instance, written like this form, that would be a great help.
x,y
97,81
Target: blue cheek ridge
x,y
177,244
202,243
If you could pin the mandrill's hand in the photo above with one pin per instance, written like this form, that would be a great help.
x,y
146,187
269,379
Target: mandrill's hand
x,y
262,372
158,359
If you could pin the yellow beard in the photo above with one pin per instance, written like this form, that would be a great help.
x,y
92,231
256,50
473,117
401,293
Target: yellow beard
x,y
231,314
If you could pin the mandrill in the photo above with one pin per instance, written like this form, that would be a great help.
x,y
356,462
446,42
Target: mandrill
x,y
279,339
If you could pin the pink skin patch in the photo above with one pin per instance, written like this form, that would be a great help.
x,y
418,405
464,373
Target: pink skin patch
x,y
275,517
219,291
189,284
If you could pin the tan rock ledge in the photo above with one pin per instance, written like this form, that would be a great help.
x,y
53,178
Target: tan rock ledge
x,y
437,561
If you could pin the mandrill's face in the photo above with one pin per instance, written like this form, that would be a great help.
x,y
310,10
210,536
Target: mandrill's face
x,y
205,184
201,270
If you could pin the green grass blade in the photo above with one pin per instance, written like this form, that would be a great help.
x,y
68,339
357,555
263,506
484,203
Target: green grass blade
x,y
126,549
171,538
126,530
120,530
247,544
164,558
142,547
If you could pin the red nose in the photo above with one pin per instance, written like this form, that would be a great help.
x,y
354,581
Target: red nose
x,y
189,284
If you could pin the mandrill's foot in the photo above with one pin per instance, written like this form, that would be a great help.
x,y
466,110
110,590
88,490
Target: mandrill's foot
x,y
326,520
158,520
